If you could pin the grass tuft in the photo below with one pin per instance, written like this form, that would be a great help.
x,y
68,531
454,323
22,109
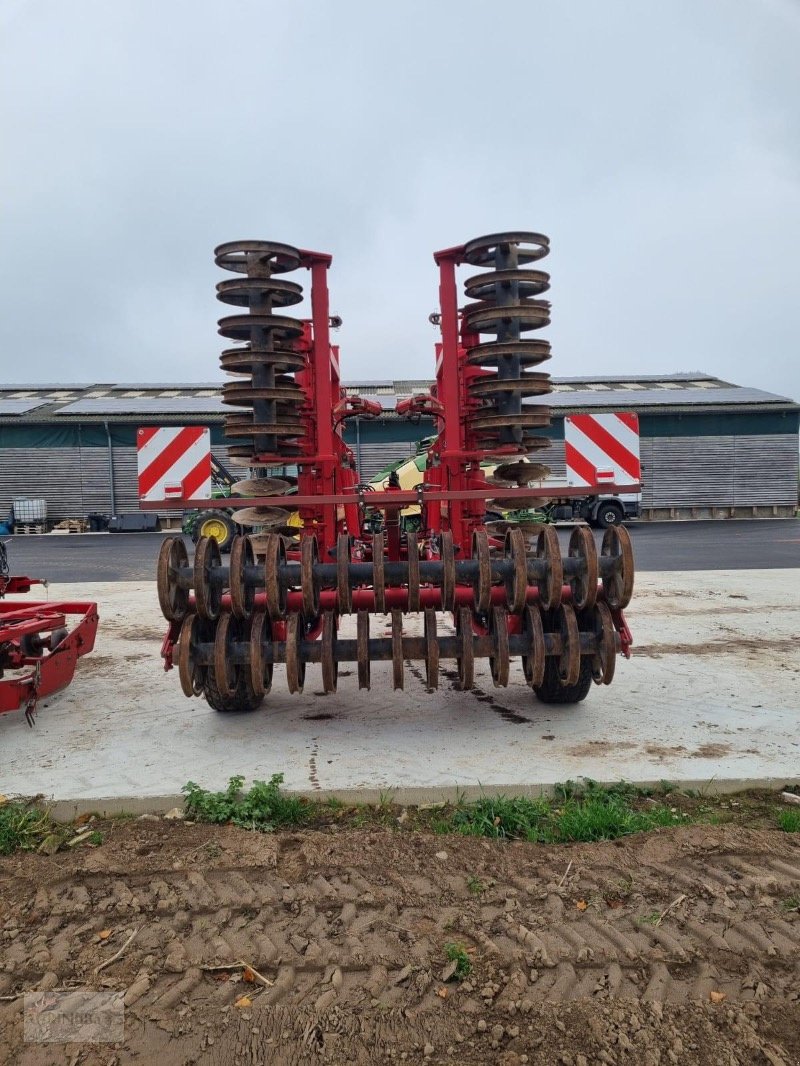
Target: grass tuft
x,y
263,807
22,828
653,918
457,954
584,813
789,821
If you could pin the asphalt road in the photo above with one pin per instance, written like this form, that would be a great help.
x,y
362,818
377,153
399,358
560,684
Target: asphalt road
x,y
722,545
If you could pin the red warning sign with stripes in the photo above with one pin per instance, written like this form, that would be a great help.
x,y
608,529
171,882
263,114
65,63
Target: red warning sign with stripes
x,y
174,463
602,448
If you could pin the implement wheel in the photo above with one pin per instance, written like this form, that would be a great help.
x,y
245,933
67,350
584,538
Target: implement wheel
x,y
552,691
567,677
227,687
242,701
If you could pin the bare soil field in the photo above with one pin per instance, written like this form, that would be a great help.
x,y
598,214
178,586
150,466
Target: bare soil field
x,y
676,946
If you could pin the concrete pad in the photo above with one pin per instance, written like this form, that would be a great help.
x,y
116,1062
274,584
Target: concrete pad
x,y
711,696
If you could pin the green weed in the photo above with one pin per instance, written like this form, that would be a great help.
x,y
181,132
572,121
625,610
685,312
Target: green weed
x,y
586,788
457,954
791,903
22,828
263,807
650,919
475,886
501,817
585,814
606,818
789,821
95,838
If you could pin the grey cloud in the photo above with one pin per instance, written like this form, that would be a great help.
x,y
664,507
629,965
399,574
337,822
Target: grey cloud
x,y
656,144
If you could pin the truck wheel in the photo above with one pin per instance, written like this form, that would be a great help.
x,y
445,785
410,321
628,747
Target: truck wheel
x,y
552,691
609,514
215,524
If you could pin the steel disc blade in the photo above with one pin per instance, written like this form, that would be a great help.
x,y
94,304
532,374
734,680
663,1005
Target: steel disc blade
x,y
260,516
521,473
261,486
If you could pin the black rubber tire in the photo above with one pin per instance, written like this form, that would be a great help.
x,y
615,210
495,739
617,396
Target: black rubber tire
x,y
32,645
218,516
552,691
610,514
56,637
243,700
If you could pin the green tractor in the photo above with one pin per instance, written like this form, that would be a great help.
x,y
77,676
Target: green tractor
x,y
216,522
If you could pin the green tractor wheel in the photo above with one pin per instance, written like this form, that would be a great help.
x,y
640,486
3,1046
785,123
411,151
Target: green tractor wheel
x,y
216,524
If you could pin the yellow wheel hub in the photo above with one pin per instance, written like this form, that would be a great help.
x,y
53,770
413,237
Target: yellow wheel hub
x,y
213,527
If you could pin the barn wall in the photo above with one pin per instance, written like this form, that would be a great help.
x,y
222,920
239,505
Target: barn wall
x,y
694,465
74,481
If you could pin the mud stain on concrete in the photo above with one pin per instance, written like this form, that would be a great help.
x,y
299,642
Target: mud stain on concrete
x,y
711,751
717,647
597,747
505,712
312,764
662,751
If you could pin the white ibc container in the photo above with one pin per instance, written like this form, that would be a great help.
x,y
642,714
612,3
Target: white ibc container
x,y
27,510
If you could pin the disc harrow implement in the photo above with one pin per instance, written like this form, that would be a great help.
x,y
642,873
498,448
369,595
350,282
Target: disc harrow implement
x,y
303,592
40,642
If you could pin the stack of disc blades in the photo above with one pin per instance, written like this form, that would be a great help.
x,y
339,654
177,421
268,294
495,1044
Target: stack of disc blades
x,y
507,307
520,473
264,366
268,519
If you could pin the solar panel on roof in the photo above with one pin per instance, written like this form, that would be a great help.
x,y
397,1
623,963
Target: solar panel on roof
x,y
170,405
660,398
19,407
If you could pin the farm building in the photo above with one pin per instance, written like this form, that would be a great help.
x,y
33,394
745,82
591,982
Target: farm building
x,y
709,448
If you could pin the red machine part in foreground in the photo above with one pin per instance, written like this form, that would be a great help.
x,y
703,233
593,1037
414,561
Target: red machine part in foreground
x,y
37,648
506,586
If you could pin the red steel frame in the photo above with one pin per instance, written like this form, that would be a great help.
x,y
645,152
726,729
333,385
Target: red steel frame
x,y
326,470
328,498
36,677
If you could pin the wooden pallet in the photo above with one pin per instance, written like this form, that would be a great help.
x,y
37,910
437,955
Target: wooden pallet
x,y
30,527
71,525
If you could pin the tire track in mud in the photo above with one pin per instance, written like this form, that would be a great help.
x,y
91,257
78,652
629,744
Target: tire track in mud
x,y
350,933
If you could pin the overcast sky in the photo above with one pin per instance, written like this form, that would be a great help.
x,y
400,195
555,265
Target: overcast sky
x,y
656,143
